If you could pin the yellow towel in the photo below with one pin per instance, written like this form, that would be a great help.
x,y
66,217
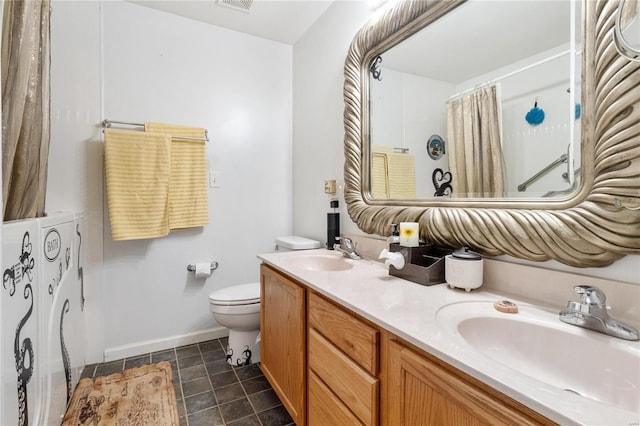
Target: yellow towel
x,y
379,172
188,192
137,177
401,175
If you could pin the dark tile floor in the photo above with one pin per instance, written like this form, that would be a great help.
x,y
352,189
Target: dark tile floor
x,y
208,390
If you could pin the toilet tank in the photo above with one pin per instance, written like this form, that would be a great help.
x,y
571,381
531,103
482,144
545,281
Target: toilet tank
x,y
293,242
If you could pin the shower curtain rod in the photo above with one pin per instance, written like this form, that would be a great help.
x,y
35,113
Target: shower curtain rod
x,y
509,74
107,124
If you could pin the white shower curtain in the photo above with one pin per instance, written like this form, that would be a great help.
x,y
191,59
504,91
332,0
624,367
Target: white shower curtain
x,y
475,149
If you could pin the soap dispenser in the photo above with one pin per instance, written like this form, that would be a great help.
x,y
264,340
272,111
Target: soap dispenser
x,y
395,234
333,225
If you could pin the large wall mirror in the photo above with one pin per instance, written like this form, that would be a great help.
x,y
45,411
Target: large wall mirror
x,y
432,94
511,127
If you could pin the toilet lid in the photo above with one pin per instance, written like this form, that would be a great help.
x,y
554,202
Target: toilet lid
x,y
243,294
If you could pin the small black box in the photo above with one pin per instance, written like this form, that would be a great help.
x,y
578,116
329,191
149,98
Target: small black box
x,y
424,264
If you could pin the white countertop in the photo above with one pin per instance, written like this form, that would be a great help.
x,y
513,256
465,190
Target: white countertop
x,y
409,310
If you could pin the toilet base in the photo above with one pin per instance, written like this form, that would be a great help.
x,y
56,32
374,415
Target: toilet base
x,y
243,348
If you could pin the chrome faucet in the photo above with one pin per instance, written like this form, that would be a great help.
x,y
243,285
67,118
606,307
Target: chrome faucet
x,y
592,313
347,247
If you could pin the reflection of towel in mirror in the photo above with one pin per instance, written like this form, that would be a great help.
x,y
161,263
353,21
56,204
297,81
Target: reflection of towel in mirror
x,y
188,192
137,179
379,173
401,176
392,174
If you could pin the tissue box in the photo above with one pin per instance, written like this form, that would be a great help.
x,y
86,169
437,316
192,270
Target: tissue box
x,y
423,264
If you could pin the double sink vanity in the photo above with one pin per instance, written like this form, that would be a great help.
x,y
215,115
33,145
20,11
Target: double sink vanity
x,y
344,342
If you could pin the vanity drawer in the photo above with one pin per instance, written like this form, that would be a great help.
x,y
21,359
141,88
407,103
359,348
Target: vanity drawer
x,y
325,408
351,335
348,382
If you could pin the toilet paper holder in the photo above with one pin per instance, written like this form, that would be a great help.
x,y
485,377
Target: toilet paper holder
x,y
192,268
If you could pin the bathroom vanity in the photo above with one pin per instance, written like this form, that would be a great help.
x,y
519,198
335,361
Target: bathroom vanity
x,y
345,343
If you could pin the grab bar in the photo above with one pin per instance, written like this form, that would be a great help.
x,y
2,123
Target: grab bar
x,y
565,175
523,186
560,192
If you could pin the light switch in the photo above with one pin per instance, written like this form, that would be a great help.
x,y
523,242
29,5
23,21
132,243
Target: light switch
x,y
214,179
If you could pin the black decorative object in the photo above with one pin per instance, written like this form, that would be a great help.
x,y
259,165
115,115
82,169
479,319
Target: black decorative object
x,y
333,225
56,281
23,352
435,147
24,373
80,269
246,357
374,69
65,353
442,182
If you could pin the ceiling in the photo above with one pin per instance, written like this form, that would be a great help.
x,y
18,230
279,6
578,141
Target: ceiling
x,y
481,36
284,21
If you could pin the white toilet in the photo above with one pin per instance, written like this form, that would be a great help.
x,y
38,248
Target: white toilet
x,y
238,308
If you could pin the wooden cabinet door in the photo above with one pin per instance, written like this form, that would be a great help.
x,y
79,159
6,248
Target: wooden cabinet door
x,y
283,342
421,391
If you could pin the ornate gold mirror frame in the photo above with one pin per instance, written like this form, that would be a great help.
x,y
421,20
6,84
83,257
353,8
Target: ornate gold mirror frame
x,y
595,226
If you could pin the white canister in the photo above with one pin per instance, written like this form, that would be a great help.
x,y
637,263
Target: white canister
x,y
463,269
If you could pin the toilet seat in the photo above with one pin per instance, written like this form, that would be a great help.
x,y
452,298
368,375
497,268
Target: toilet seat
x,y
244,294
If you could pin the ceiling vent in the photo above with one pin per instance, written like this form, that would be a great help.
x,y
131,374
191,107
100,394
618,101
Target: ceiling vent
x,y
242,5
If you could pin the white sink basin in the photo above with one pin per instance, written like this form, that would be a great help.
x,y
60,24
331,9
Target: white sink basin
x,y
321,262
534,342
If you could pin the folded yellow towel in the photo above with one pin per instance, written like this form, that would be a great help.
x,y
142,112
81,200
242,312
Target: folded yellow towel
x,y
188,192
137,178
401,176
379,173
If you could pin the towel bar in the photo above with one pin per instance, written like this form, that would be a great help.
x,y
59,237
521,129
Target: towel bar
x,y
192,268
107,124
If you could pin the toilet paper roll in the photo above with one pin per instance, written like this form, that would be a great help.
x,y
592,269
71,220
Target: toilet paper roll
x,y
203,269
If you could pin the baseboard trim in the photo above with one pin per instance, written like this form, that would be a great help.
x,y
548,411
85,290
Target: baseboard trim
x,y
148,346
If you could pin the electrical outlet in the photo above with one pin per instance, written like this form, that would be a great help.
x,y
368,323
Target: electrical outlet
x,y
329,186
214,179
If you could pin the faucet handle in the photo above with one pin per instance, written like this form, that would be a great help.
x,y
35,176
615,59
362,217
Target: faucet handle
x,y
348,242
591,295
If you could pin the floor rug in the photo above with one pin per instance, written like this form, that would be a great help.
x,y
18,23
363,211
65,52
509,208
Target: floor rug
x,y
135,397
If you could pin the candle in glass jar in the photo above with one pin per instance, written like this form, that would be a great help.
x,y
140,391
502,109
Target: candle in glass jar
x,y
409,235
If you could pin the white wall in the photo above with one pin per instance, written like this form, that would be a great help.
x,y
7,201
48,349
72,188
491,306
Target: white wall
x,y
407,109
318,130
160,67
75,153
318,107
122,61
